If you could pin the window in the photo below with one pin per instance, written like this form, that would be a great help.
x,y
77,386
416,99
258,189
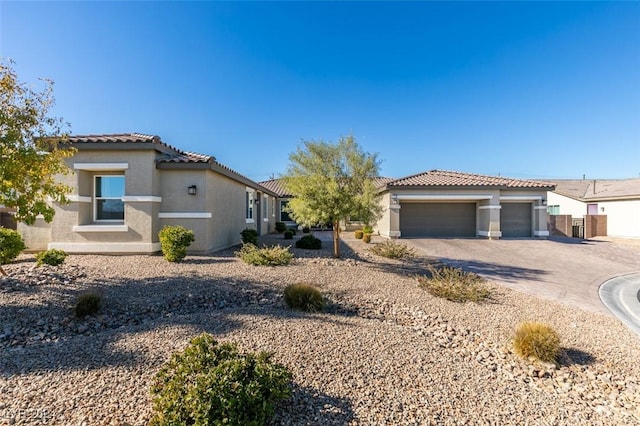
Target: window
x,y
249,206
284,215
592,209
553,210
108,204
265,208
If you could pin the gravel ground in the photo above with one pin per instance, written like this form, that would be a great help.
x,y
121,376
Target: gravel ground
x,y
385,352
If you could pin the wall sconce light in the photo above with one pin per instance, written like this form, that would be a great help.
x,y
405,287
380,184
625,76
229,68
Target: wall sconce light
x,y
602,209
192,190
394,198
544,202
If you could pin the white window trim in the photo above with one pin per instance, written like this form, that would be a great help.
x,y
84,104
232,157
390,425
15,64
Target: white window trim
x,y
100,228
101,167
141,199
249,210
95,204
265,208
79,198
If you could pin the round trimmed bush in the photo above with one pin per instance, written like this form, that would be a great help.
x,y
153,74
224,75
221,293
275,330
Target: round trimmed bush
x,y
536,340
304,297
281,227
174,241
359,234
288,234
249,236
52,257
11,245
211,383
309,242
366,238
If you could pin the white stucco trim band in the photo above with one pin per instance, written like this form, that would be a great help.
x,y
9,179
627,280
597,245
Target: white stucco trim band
x,y
102,247
490,234
185,215
141,199
540,233
102,167
79,198
540,207
438,197
521,198
489,207
101,228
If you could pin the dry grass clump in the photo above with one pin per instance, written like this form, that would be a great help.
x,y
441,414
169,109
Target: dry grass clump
x,y
265,256
393,250
87,304
455,285
536,340
304,297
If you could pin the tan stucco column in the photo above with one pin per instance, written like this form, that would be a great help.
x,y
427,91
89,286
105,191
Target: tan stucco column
x,y
489,221
394,221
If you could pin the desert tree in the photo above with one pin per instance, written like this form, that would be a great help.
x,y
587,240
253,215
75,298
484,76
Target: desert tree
x,y
32,148
332,182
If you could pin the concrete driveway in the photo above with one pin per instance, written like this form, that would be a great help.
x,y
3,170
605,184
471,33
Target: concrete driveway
x,y
566,270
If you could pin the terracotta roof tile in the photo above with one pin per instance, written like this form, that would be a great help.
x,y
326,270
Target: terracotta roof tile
x,y
447,178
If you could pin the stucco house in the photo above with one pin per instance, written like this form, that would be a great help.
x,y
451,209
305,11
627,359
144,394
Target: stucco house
x,y
283,197
453,204
618,199
441,203
126,187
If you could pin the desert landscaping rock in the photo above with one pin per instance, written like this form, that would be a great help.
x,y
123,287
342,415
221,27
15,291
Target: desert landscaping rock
x,y
385,352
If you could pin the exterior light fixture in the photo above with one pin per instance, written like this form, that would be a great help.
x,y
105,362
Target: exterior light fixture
x,y
192,190
394,198
544,202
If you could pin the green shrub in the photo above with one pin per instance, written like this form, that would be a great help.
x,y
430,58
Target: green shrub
x,y
393,250
306,230
309,242
304,297
366,238
265,256
11,245
455,284
211,383
53,257
87,304
536,340
288,234
367,230
292,230
358,234
281,227
174,241
249,236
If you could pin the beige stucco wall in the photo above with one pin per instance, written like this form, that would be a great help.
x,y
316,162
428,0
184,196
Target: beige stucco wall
x,y
567,205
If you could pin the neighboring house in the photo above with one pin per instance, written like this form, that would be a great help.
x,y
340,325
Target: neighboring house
x,y
126,187
618,199
452,204
6,218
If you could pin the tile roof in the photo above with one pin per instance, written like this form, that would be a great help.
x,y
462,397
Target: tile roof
x,y
443,178
598,189
275,186
171,155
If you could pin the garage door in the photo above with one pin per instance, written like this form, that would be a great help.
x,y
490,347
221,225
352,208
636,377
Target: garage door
x,y
438,219
515,219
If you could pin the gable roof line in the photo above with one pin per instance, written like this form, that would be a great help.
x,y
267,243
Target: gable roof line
x,y
443,178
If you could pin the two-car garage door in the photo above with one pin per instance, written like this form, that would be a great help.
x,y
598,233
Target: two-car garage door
x,y
438,220
458,220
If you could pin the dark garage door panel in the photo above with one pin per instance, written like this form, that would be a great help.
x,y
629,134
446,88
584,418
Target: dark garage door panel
x,y
438,219
515,220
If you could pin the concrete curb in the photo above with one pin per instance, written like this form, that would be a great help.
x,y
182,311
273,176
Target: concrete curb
x,y
621,295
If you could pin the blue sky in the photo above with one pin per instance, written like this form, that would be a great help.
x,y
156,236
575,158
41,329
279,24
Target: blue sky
x,y
532,90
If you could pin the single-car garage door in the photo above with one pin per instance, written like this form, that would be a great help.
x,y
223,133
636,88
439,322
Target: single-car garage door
x,y
515,220
438,219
